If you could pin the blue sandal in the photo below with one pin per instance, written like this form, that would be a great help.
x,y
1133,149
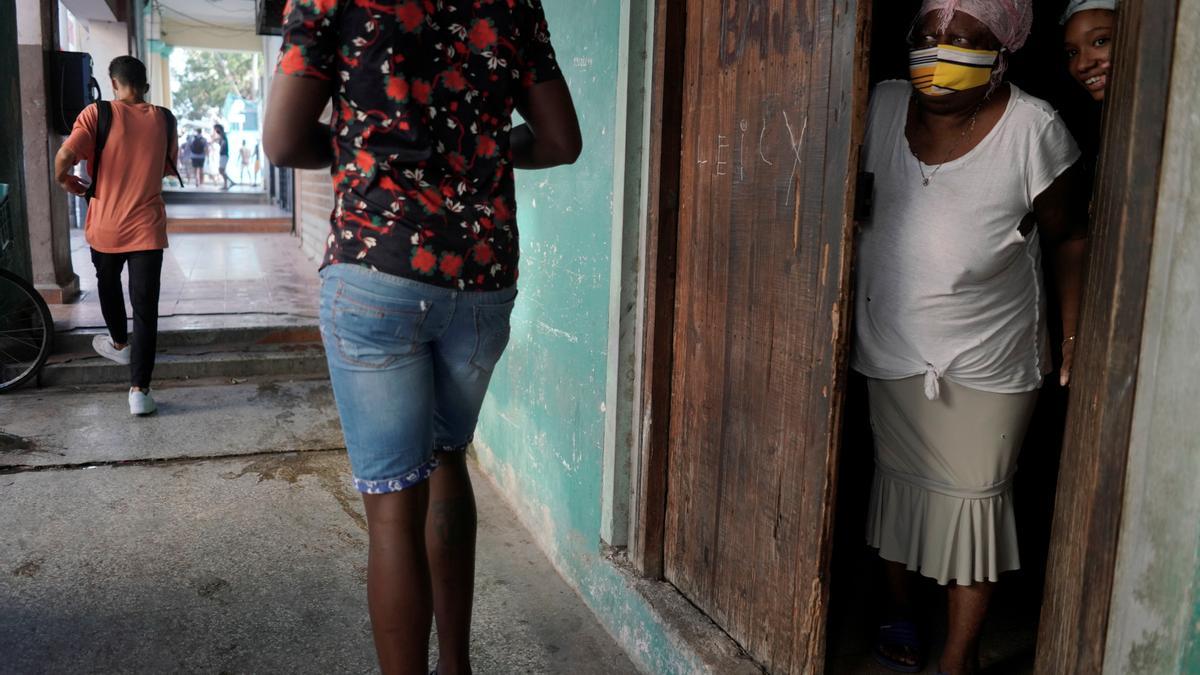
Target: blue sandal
x,y
901,635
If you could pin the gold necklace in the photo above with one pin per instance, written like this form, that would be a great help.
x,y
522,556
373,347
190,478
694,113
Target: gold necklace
x,y
966,132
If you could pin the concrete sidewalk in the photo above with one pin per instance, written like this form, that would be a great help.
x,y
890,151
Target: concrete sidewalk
x,y
217,556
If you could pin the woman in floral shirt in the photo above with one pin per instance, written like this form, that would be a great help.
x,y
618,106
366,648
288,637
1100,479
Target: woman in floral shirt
x,y
420,270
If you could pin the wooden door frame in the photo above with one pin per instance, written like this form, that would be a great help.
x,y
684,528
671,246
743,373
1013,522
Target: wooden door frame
x,y
850,54
1091,487
649,504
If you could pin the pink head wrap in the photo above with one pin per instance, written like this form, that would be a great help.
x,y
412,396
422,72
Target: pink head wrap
x,y
1009,20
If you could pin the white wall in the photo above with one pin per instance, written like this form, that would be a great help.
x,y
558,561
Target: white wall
x,y
29,22
233,38
314,203
105,41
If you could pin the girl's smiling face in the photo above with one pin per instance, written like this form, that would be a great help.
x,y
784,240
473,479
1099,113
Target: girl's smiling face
x,y
1087,43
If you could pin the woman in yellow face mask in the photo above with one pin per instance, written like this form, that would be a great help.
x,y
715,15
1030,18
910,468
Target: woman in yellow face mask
x,y
973,177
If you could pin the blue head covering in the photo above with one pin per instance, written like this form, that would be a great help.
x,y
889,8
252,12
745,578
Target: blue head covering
x,y
1076,6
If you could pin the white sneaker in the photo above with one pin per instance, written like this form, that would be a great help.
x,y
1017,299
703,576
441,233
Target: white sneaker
x,y
104,347
140,402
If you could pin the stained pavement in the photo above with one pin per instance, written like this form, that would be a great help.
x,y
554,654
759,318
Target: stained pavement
x,y
222,536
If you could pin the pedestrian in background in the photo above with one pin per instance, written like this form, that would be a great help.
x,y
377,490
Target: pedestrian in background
x,y
243,161
126,217
223,156
199,148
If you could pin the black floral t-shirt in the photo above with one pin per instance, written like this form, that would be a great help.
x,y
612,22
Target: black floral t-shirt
x,y
422,172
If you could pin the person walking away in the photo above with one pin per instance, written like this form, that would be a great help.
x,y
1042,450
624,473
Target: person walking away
x,y
185,156
126,218
243,161
257,165
199,148
419,276
223,156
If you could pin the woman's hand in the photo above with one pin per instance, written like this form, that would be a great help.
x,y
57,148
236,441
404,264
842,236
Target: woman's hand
x,y
1068,353
74,184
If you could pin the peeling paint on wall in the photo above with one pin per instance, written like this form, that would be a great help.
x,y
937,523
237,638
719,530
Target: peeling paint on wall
x,y
541,432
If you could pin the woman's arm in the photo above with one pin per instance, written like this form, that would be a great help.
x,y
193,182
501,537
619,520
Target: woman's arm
x,y
293,135
550,135
1062,216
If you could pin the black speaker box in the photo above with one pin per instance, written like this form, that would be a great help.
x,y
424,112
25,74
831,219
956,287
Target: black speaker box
x,y
72,88
268,17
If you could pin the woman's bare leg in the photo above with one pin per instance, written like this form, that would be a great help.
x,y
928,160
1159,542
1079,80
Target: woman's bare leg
x,y
450,542
968,607
398,590
900,606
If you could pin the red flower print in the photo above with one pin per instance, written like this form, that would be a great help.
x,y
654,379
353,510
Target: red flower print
x,y
445,215
482,253
421,90
503,212
365,162
482,35
451,265
431,200
485,146
454,80
397,89
292,61
410,15
423,260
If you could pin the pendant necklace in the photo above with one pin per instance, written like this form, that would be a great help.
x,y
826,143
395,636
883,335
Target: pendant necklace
x,y
966,132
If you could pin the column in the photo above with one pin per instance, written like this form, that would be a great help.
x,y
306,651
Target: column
x,y
46,203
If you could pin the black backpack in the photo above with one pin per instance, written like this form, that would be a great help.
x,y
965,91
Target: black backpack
x,y
104,125
199,145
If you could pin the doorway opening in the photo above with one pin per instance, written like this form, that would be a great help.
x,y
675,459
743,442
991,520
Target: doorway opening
x,y
858,592
234,273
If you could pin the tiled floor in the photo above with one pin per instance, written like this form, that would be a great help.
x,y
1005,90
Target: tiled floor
x,y
225,211
212,186
213,281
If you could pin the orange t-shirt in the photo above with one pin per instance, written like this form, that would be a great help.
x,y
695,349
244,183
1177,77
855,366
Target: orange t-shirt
x,y
127,214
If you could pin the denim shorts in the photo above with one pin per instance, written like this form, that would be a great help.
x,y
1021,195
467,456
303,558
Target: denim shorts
x,y
410,364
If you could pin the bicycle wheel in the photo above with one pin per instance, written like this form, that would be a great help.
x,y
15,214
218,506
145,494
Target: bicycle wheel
x,y
26,331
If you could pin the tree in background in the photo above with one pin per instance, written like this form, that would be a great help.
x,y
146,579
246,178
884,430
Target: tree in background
x,y
208,76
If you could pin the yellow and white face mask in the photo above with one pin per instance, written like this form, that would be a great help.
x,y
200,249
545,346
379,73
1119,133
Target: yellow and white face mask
x,y
946,69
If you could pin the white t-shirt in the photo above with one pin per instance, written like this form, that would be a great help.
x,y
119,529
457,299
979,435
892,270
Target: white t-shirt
x,y
946,284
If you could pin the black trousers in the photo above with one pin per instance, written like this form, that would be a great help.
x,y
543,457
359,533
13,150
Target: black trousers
x,y
145,276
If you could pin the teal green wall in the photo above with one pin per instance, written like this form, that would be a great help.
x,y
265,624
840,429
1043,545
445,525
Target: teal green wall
x,y
541,434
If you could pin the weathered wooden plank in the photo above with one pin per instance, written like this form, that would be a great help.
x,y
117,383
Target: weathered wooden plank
x,y
1091,483
666,101
761,314
847,105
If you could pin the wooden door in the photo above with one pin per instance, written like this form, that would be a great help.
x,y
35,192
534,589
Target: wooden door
x,y
1087,513
774,95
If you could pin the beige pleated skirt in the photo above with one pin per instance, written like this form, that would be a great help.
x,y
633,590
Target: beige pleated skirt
x,y
941,501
